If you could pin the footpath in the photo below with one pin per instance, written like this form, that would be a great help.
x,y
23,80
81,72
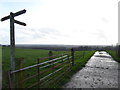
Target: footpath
x,y
101,71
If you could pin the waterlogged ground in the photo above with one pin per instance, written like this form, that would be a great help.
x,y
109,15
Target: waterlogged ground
x,y
101,71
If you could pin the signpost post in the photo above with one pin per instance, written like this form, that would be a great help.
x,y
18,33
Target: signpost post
x,y
12,36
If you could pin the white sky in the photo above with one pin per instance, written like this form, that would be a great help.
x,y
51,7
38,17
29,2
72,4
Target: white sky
x,y
74,22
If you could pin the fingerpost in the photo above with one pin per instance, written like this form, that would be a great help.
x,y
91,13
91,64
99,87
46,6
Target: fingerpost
x,y
12,37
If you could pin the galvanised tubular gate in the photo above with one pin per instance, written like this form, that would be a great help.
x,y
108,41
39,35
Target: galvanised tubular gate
x,y
47,72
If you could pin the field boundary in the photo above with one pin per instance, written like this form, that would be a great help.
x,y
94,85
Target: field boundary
x,y
46,71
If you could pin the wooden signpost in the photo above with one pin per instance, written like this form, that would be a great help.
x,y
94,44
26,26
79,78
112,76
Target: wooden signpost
x,y
12,35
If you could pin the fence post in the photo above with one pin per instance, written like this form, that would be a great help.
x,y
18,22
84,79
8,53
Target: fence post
x,y
72,53
68,60
38,61
62,59
9,79
19,75
50,54
83,54
118,50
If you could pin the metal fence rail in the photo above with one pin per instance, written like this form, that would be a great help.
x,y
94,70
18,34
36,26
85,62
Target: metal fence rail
x,y
47,71
37,65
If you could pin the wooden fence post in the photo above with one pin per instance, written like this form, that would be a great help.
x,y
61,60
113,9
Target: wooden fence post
x,y
38,61
68,60
9,79
83,54
50,54
118,50
72,53
62,59
19,75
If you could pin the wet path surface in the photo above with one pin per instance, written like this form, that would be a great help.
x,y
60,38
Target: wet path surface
x,y
101,71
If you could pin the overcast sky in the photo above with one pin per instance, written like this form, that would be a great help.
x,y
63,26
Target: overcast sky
x,y
69,22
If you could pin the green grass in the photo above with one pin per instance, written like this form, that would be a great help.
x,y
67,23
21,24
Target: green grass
x,y
80,62
114,55
30,58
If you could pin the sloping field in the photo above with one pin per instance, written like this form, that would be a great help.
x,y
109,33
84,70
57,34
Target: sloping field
x,y
30,58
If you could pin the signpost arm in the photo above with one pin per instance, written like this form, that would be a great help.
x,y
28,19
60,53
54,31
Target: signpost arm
x,y
20,23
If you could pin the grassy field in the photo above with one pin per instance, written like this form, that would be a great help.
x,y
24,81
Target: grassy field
x,y
114,55
30,58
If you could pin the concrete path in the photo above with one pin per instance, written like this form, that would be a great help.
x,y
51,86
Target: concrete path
x,y
101,71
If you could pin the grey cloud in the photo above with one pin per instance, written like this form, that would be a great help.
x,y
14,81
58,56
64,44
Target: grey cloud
x,y
104,20
31,33
38,34
53,32
25,34
44,32
100,34
48,30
